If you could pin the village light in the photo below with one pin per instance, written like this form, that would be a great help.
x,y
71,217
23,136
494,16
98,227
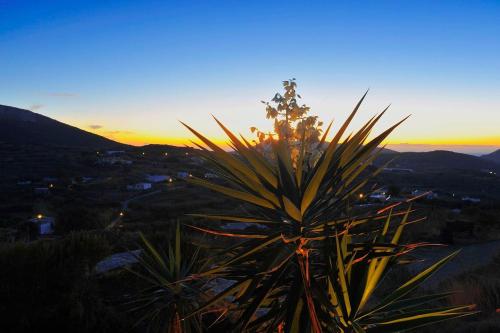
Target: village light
x,y
361,195
121,214
39,216
190,175
166,154
170,180
51,185
187,154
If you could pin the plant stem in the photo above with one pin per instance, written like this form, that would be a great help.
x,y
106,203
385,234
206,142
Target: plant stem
x,y
303,259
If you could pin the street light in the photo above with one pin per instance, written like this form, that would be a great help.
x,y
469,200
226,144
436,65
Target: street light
x,y
39,216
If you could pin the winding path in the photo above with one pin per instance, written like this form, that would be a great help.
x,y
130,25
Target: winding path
x,y
125,204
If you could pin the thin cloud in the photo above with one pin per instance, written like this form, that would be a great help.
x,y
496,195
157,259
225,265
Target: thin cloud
x,y
95,127
118,132
62,94
35,107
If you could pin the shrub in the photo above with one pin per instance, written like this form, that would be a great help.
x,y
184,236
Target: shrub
x,y
46,285
313,266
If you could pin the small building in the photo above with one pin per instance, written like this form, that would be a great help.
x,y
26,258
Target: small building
x,y
115,152
183,174
379,196
197,160
44,224
398,170
139,187
488,171
158,178
112,160
209,175
471,199
429,195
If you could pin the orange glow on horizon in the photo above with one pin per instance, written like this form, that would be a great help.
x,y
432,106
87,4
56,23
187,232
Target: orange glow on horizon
x,y
140,139
145,139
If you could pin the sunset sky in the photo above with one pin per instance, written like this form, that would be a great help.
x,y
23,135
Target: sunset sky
x,y
129,70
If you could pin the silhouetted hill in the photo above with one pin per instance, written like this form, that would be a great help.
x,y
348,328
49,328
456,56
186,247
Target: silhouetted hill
x,y
437,160
388,151
494,156
23,127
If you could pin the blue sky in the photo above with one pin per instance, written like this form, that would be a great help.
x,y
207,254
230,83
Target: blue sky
x,y
130,69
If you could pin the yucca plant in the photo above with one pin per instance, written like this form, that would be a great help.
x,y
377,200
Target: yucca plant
x,y
312,265
168,296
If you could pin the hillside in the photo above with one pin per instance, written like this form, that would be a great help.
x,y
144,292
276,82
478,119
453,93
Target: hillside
x,y
494,156
23,127
437,160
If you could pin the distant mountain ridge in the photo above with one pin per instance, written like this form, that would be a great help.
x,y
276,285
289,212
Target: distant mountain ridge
x,y
437,160
24,127
494,156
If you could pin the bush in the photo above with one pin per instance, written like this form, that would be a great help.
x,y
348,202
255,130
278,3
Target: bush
x,y
78,218
480,287
47,285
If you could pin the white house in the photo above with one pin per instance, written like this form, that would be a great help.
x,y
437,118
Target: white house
x,y
398,170
115,152
139,187
471,199
113,160
157,178
45,224
379,195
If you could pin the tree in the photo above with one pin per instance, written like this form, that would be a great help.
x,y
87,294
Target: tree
x,y
292,124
